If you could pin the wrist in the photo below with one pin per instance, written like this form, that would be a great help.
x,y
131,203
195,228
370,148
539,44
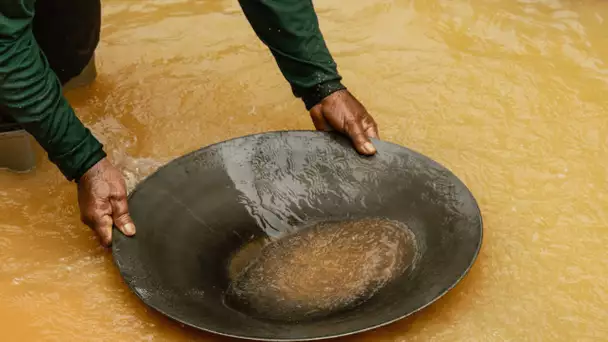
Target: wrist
x,y
314,95
93,159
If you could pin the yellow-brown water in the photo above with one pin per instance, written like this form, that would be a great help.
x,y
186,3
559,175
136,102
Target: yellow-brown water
x,y
512,96
322,269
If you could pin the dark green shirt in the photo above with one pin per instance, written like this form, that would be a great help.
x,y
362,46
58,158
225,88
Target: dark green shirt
x,y
31,92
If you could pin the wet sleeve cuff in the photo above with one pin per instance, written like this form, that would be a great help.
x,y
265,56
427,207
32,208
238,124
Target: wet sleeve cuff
x,y
314,95
81,158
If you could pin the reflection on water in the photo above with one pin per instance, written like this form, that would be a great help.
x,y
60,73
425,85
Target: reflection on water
x,y
509,95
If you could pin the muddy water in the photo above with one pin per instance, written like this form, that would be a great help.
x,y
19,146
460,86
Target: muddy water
x,y
510,95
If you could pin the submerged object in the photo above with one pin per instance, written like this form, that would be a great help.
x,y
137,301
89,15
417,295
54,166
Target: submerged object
x,y
197,212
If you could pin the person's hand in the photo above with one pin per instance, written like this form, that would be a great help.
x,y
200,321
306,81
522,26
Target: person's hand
x,y
102,197
342,112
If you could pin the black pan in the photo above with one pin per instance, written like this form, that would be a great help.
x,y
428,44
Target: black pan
x,y
195,212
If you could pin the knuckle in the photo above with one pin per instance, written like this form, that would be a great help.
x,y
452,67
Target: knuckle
x,y
118,192
120,196
95,218
354,128
368,119
103,190
120,213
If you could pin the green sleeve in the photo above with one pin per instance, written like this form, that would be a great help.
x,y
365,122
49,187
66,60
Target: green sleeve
x,y
31,93
290,29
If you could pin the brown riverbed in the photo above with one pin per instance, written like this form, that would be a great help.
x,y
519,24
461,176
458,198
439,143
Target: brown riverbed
x,y
512,96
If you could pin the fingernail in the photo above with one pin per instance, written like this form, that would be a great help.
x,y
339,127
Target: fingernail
x,y
129,228
369,148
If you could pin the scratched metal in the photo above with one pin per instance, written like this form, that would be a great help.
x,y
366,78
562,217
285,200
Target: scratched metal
x,y
196,212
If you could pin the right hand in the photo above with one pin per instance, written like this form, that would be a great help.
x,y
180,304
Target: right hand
x,y
102,197
342,112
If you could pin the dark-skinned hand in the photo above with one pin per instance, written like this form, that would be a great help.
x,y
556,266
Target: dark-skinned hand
x,y
102,194
102,197
342,112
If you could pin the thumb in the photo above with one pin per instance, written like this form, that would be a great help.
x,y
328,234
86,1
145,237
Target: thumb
x,y
122,220
363,145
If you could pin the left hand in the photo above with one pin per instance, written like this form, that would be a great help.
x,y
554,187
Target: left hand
x,y
342,112
102,197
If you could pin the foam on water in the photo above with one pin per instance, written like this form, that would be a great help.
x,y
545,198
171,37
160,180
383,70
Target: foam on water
x,y
134,169
319,270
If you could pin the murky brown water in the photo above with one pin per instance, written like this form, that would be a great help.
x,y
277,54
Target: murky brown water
x,y
512,96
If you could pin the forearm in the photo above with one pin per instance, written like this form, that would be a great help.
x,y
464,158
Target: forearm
x,y
31,93
290,29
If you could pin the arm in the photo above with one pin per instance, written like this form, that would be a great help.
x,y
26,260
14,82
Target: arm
x,y
290,29
31,93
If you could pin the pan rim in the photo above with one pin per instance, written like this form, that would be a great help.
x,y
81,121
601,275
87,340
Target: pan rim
x,y
441,294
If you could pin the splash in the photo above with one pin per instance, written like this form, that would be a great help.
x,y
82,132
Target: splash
x,y
135,169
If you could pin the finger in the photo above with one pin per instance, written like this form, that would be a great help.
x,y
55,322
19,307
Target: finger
x,y
103,228
370,127
319,121
87,219
359,138
120,213
92,214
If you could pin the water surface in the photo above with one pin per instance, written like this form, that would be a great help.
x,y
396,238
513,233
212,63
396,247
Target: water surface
x,y
510,95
